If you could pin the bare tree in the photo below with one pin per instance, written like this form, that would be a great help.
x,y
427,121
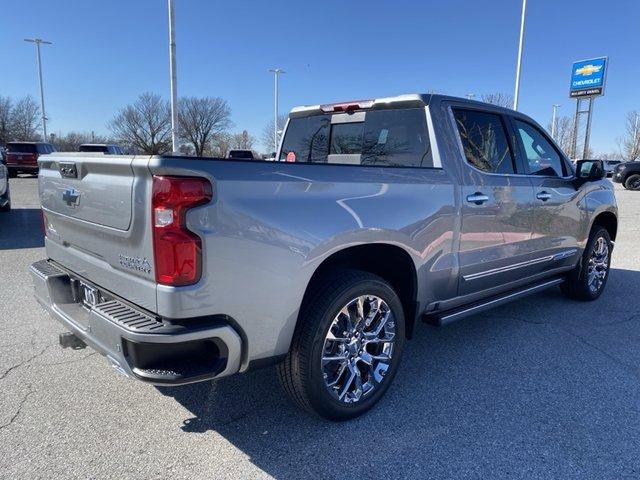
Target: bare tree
x,y
220,144
200,119
6,133
497,98
630,141
24,119
564,133
242,141
267,133
72,140
144,126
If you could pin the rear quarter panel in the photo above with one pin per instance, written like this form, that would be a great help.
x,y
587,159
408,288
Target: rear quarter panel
x,y
270,226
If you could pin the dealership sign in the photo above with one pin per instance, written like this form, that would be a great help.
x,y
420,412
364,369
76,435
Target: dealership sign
x,y
588,77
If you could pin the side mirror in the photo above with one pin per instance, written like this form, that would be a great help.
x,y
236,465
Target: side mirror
x,y
589,171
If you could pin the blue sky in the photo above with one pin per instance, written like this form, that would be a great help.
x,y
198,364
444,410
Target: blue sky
x,y
106,53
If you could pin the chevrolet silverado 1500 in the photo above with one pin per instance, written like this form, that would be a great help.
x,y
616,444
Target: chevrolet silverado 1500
x,y
378,213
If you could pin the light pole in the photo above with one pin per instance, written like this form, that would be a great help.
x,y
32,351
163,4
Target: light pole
x,y
276,72
38,42
519,64
636,140
174,79
553,121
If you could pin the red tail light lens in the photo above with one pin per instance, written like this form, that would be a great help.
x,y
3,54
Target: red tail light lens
x,y
177,250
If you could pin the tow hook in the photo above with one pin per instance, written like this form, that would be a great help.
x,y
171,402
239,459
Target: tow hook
x,y
69,340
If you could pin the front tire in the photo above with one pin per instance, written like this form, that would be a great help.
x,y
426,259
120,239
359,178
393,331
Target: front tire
x,y
347,345
632,182
587,281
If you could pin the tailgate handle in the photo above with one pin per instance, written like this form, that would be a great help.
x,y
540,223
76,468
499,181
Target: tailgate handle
x,y
68,169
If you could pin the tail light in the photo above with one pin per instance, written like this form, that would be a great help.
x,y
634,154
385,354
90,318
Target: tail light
x,y
177,250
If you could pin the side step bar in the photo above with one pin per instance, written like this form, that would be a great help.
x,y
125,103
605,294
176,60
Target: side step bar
x,y
445,318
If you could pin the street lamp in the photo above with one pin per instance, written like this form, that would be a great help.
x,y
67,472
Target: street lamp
x,y
38,42
174,79
277,72
519,64
554,120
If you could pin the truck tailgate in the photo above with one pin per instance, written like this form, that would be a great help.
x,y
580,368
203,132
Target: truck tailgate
x,y
96,211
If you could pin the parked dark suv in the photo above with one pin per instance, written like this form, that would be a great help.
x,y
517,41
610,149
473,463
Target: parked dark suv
x,y
22,157
628,174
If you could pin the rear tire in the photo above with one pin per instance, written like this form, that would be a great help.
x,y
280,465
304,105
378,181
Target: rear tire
x,y
12,173
587,281
632,182
338,366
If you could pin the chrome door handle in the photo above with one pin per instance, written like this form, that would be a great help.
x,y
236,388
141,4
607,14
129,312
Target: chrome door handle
x,y
477,198
544,196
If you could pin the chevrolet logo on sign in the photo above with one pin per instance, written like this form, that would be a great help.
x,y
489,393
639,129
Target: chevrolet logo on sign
x,y
588,70
71,197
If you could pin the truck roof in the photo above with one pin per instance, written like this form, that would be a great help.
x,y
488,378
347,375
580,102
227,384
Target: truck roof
x,y
407,100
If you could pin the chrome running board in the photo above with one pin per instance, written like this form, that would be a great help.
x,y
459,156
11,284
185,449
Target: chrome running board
x,y
445,318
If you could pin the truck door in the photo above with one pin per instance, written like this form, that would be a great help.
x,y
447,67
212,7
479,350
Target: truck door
x,y
497,204
557,218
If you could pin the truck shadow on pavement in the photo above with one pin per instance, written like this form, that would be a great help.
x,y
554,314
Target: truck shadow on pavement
x,y
545,385
21,228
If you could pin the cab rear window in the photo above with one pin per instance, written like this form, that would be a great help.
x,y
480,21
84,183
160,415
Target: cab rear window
x,y
391,138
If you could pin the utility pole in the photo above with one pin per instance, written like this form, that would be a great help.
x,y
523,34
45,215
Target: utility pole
x,y
554,119
38,42
276,72
585,150
636,140
519,64
174,79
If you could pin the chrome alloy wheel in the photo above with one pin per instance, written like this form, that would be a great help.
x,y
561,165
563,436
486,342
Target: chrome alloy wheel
x,y
598,265
358,348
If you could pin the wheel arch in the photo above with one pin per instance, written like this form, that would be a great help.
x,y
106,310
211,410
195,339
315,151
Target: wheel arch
x,y
390,262
609,221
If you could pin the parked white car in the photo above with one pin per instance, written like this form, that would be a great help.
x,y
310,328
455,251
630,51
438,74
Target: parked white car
x,y
5,197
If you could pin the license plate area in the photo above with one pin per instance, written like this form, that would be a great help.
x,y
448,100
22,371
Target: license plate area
x,y
86,295
89,296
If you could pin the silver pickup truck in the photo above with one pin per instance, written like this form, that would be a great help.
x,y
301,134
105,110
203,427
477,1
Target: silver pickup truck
x,y
378,214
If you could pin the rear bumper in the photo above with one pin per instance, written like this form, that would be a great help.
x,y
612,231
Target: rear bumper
x,y
136,343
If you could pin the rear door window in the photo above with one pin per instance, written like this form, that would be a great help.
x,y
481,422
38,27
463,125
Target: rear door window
x,y
390,137
484,141
542,158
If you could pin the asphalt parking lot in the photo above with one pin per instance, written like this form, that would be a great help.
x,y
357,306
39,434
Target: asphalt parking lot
x,y
541,388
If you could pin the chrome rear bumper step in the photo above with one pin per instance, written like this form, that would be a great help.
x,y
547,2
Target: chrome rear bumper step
x,y
447,317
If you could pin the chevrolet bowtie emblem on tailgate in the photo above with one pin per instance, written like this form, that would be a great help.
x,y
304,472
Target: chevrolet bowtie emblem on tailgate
x,y
71,197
